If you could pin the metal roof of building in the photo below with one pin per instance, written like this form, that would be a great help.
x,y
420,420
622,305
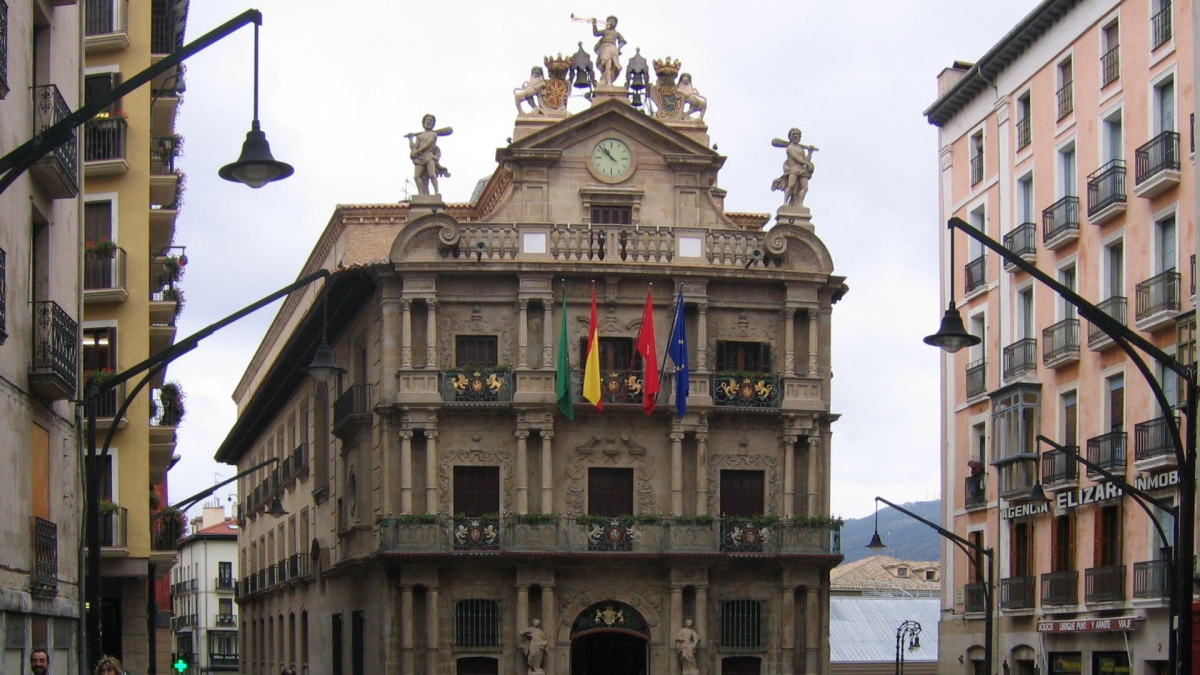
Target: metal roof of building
x,y
863,628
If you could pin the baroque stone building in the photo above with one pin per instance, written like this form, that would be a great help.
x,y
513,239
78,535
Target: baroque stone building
x,y
443,514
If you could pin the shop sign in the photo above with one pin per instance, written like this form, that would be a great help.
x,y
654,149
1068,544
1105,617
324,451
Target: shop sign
x,y
1023,510
1120,623
1106,491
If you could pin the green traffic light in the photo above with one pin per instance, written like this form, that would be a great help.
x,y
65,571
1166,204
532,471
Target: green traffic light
x,y
180,666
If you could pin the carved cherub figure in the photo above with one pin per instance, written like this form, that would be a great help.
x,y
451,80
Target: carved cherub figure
x,y
797,169
426,156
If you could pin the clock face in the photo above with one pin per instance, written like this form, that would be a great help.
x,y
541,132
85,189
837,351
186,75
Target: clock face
x,y
612,158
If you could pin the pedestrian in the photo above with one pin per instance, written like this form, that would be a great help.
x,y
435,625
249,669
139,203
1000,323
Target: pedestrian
x,y
39,662
109,665
288,671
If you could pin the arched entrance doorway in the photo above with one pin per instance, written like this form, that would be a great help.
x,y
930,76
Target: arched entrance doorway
x,y
609,638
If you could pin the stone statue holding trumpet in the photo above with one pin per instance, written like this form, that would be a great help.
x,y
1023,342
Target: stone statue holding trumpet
x,y
797,169
608,49
426,156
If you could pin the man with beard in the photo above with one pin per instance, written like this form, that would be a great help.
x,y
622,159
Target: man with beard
x,y
39,662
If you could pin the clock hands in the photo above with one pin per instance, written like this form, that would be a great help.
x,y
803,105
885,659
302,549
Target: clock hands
x,y
610,155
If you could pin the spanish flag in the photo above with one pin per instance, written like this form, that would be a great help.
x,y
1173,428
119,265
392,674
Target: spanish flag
x,y
591,368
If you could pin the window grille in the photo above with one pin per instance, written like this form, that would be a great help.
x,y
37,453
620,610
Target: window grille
x,y
477,623
742,624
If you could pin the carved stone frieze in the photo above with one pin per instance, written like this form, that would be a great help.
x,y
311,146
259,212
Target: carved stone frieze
x,y
767,463
575,598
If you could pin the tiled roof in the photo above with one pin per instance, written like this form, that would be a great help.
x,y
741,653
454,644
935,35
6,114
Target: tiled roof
x,y
877,574
229,527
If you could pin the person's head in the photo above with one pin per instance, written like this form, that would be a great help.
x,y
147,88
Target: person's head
x,y
288,671
687,623
536,623
794,135
39,661
428,121
611,22
109,665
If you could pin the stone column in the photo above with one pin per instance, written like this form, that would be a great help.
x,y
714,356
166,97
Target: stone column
x,y
547,472
391,338
431,360
812,631
406,630
547,335
406,333
814,344
701,474
789,342
432,639
787,629
549,625
431,463
789,476
701,343
522,611
522,471
823,454
523,333
812,481
701,620
406,476
676,625
676,474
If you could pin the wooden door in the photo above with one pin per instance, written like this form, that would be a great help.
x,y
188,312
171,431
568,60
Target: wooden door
x,y
476,490
610,492
742,493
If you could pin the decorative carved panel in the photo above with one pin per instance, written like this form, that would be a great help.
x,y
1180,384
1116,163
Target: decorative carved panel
x,y
476,457
474,324
619,451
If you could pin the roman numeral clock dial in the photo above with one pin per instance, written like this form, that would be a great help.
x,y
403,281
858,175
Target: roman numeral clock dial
x,y
612,160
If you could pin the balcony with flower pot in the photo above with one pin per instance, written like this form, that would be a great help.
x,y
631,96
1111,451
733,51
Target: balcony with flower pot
x,y
104,141
104,273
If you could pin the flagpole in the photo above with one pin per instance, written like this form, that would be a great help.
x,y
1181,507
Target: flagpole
x,y
662,372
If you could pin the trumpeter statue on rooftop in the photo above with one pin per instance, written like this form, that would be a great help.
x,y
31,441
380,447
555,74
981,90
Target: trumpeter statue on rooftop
x,y
608,49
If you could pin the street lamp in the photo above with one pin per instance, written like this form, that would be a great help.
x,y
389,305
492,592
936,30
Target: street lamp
x,y
1185,448
255,167
963,545
952,335
908,631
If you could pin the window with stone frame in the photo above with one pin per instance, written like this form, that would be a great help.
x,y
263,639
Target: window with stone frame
x,y
744,356
1062,549
741,493
476,490
616,353
610,491
476,623
603,214
476,351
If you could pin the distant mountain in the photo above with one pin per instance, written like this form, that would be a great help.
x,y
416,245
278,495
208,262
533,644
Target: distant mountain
x,y
906,539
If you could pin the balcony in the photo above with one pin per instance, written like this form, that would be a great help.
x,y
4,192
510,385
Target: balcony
x,y
167,22
104,276
976,168
225,583
975,274
114,531
1021,240
475,386
298,566
1060,343
1104,584
1115,307
104,26
165,179
165,410
1107,451
226,619
108,402
974,596
1160,27
55,352
751,390
104,146
976,378
1152,579
1110,66
1153,446
1060,223
184,621
58,172
1065,101
1060,589
44,580
1106,192
1024,135
975,491
351,408
1157,165
1158,301
1060,470
1017,593
165,532
1020,358
226,661
162,228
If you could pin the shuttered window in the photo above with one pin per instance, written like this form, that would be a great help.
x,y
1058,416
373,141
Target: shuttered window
x,y
475,351
476,490
750,356
612,215
742,493
610,492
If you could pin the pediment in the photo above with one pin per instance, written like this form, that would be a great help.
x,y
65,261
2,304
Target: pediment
x,y
548,142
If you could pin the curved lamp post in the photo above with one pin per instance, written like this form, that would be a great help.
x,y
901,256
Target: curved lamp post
x,y
909,632
255,167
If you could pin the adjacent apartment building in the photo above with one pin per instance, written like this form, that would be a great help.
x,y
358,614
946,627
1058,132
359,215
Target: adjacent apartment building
x,y
1070,141
41,50
202,590
443,513
131,270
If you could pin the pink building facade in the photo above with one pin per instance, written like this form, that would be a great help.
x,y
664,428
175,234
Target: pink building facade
x,y
1071,142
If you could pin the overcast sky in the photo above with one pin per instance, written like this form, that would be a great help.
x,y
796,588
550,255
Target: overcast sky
x,y
343,82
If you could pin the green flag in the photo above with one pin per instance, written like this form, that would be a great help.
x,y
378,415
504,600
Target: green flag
x,y
562,383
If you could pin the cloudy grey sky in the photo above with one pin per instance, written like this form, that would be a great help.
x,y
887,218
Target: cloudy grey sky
x,y
342,83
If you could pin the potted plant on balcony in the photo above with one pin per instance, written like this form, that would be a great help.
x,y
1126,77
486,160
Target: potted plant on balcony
x,y
173,268
105,248
171,397
108,508
97,377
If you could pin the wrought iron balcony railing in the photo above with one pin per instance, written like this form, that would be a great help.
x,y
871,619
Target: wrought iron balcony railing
x,y
55,343
477,385
975,274
58,172
163,152
1159,154
1060,340
1060,589
1115,308
225,583
353,404
226,619
1107,451
104,139
167,22
1104,584
1106,186
165,532
754,390
113,527
1022,239
1110,65
1060,219
1018,593
975,491
1160,26
976,378
102,17
1153,439
1024,136
45,557
1152,579
1020,357
1159,293
104,271
1066,102
973,595
1059,467
976,168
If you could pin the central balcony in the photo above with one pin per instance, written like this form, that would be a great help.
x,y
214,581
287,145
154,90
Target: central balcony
x,y
1104,584
1107,451
104,26
44,579
1060,470
475,386
52,375
1158,301
1060,589
1060,223
975,598
1020,358
1157,165
603,535
1060,343
1018,593
1114,307
1154,447
1021,240
1106,192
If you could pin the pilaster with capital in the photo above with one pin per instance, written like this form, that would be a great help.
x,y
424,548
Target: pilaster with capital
x,y
701,474
812,481
432,641
812,631
789,341
547,472
406,630
406,473
431,360
392,335
522,474
814,344
431,463
522,333
702,338
787,631
406,333
677,473
547,334
789,476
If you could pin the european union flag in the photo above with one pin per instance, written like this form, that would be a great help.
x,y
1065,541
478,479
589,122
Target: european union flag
x,y
678,352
